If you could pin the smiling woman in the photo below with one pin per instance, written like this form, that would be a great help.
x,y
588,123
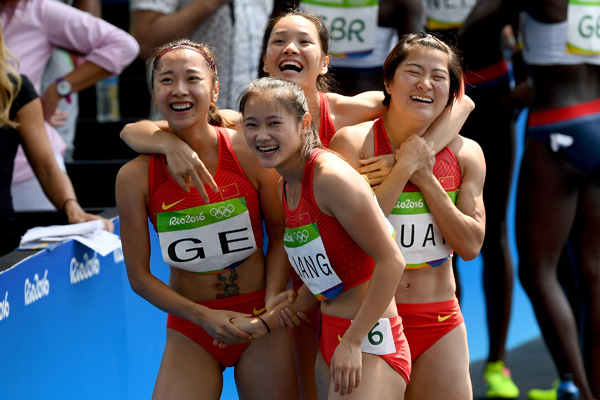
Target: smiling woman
x,y
295,48
421,198
339,245
212,240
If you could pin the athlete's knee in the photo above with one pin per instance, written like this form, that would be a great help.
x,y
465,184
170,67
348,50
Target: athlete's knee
x,y
532,281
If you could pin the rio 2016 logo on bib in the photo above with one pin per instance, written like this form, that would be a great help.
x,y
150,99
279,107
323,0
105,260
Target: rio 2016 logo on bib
x,y
417,233
207,238
307,255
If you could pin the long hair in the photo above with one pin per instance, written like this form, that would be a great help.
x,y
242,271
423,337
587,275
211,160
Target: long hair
x,y
291,97
323,81
411,41
214,118
10,82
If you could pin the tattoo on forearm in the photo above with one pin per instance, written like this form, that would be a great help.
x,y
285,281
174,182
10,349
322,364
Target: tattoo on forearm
x,y
227,284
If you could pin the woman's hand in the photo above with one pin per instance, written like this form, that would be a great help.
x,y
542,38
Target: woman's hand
x,y
75,215
219,324
289,295
50,100
377,168
346,367
415,153
424,173
58,118
186,168
289,318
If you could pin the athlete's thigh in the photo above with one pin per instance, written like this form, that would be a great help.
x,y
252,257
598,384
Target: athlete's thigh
x,y
442,372
322,376
547,200
266,370
378,381
588,235
187,371
305,346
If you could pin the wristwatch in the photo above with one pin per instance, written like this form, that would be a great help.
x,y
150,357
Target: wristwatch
x,y
63,87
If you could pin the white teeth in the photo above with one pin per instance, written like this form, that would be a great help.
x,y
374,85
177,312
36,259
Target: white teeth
x,y
422,99
290,65
181,106
266,149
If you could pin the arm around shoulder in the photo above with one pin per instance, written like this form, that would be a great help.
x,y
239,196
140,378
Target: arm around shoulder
x,y
352,110
447,126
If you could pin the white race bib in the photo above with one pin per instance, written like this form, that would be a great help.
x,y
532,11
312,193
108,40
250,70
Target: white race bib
x,y
307,255
206,238
583,27
352,23
379,340
447,14
417,233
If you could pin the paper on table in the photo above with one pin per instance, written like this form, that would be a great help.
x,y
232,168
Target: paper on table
x,y
104,242
90,233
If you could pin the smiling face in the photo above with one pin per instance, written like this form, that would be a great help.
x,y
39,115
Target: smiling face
x,y
420,86
294,52
272,132
183,88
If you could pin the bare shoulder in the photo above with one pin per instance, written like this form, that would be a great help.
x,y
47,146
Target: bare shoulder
x,y
332,173
132,181
465,148
135,169
240,147
233,117
356,133
470,158
335,182
352,142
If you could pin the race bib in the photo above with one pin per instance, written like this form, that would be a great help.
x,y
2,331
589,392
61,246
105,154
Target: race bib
x,y
379,340
447,14
208,238
417,233
307,255
352,23
583,27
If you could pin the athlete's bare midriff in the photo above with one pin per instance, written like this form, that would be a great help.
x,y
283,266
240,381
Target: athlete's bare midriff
x,y
346,305
427,285
245,278
564,85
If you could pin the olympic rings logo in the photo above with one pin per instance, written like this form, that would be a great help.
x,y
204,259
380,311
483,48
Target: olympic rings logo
x,y
301,236
222,211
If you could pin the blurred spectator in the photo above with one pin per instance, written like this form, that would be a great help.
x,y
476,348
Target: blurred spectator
x,y
488,83
21,121
62,62
32,29
558,188
232,28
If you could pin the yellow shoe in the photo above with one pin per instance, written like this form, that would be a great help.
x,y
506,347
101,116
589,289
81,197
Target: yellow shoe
x,y
498,383
547,394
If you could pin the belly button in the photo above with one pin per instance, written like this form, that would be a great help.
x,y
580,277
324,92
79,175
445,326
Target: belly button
x,y
407,286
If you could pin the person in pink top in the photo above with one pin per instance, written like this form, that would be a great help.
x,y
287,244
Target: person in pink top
x,y
32,29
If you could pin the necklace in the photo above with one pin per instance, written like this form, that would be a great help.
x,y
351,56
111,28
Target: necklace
x,y
298,181
295,189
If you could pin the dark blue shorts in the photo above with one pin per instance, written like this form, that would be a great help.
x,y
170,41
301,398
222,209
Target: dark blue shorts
x,y
572,132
